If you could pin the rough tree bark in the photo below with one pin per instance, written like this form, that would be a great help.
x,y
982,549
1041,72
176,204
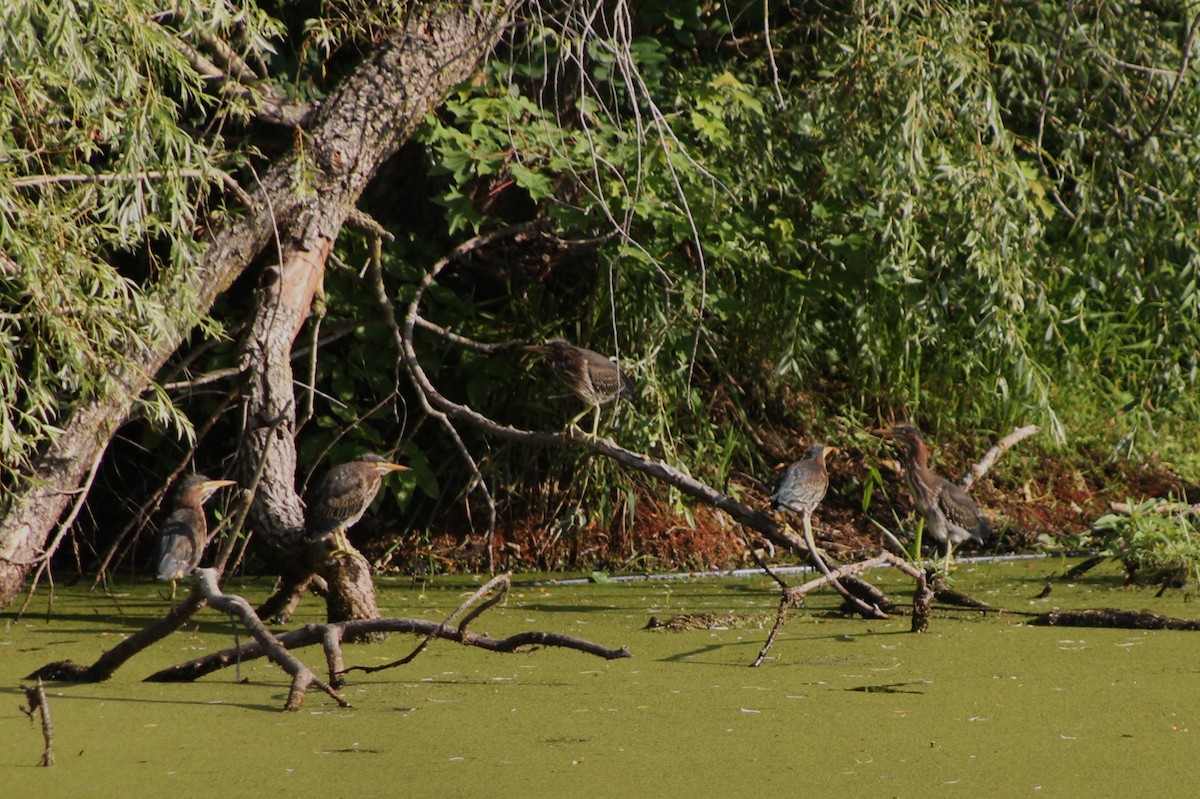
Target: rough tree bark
x,y
362,123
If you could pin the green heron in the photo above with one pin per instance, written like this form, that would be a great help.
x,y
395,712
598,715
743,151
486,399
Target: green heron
x,y
184,535
343,496
591,376
800,488
951,516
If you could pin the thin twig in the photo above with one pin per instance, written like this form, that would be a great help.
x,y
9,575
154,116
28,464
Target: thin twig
x,y
404,339
790,597
247,496
793,595
467,343
814,555
35,181
759,561
771,54
501,581
43,560
204,379
1175,87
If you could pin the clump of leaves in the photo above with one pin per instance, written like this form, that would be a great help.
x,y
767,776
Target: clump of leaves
x,y
1156,547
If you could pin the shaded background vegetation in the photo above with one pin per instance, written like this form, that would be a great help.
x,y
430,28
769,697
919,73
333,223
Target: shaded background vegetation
x,y
967,215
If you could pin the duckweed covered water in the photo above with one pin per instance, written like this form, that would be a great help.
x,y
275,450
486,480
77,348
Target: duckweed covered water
x,y
976,707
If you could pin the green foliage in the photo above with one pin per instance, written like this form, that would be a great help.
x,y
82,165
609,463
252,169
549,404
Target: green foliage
x,y
103,181
918,211
1156,548
965,214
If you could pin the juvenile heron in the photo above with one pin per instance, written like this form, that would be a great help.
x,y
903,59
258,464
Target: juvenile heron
x,y
343,495
951,516
800,488
184,535
591,376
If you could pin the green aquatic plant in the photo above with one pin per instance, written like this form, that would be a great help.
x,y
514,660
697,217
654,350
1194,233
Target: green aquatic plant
x,y
1157,541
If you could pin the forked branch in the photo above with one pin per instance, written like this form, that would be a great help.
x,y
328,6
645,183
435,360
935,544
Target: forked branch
x,y
331,636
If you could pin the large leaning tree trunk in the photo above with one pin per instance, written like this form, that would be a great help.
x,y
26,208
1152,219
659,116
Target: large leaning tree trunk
x,y
300,202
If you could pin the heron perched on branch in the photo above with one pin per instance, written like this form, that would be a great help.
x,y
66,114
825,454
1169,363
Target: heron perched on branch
x,y
951,516
343,495
184,535
591,376
800,489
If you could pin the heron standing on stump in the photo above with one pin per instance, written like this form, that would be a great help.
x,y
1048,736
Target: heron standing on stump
x,y
184,535
951,516
343,495
591,376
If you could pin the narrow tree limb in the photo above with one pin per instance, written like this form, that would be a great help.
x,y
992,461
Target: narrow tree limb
x,y
465,342
999,448
658,469
498,586
35,695
814,555
403,337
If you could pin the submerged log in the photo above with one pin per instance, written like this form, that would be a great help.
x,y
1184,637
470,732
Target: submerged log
x,y
1113,617
1080,569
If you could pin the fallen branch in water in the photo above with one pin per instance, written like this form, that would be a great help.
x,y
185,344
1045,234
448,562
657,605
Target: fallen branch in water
x,y
303,677
35,695
206,591
877,600
107,664
331,636
862,597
